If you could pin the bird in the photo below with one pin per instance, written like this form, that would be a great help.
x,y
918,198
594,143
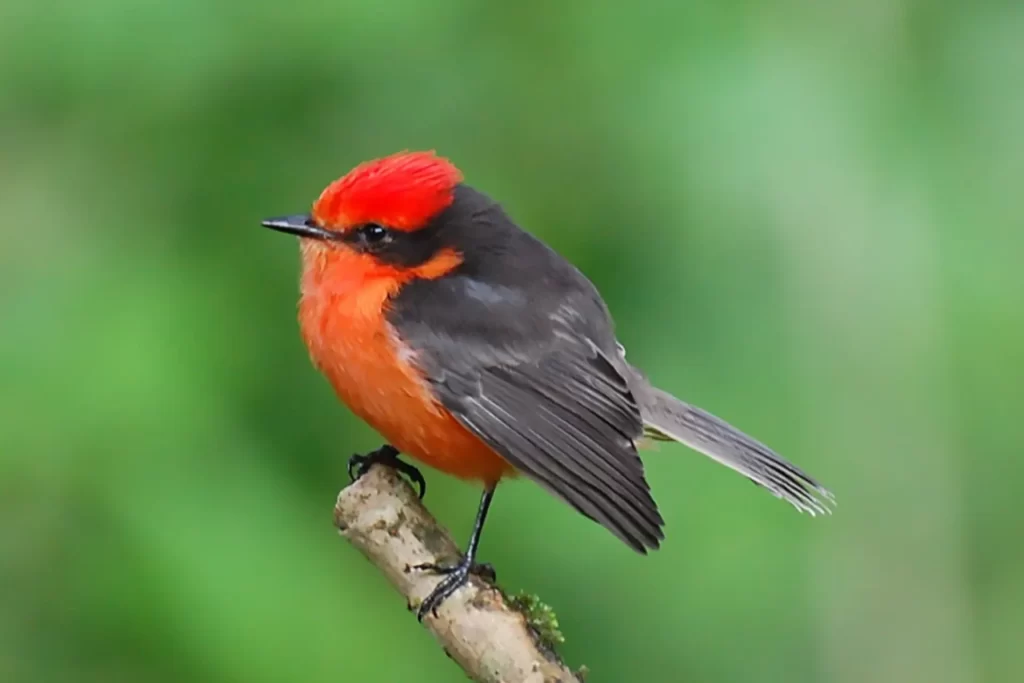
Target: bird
x,y
473,347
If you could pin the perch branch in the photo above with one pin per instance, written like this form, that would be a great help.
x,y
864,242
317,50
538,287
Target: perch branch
x,y
382,517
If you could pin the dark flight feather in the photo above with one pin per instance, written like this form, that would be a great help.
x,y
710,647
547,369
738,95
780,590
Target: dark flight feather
x,y
575,447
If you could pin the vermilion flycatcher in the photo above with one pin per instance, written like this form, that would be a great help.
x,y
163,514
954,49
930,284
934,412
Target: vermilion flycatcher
x,y
473,347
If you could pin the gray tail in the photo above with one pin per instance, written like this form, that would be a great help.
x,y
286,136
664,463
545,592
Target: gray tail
x,y
666,418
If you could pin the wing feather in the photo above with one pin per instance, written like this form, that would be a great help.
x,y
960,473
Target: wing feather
x,y
567,423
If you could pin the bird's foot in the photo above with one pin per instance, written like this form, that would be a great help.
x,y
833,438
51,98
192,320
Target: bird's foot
x,y
455,576
485,570
386,455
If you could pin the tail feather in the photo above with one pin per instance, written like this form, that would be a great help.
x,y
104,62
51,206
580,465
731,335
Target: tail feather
x,y
666,418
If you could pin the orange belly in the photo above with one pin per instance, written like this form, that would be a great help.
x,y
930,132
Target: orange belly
x,y
351,342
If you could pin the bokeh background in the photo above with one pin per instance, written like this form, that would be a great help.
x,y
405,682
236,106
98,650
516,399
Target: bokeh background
x,y
806,217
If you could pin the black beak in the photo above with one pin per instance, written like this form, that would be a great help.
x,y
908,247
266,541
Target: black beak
x,y
301,225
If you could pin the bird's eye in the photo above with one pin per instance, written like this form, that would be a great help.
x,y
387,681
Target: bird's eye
x,y
373,233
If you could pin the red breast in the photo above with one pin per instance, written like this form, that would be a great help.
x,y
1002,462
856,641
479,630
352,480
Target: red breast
x,y
341,313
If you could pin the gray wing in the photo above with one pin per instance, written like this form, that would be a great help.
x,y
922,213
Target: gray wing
x,y
568,421
526,368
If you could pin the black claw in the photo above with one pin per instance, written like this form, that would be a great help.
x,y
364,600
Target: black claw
x,y
415,476
387,455
455,577
485,570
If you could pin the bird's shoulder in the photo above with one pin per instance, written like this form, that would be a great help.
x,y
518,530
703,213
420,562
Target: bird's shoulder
x,y
512,299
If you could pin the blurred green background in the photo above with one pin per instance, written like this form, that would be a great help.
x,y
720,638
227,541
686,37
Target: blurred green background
x,y
806,217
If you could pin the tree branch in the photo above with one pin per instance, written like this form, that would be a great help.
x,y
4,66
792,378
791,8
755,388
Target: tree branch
x,y
493,642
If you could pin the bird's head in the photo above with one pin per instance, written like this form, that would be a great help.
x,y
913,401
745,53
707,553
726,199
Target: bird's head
x,y
376,217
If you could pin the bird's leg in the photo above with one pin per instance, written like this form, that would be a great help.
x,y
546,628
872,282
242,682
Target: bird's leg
x,y
455,576
386,455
